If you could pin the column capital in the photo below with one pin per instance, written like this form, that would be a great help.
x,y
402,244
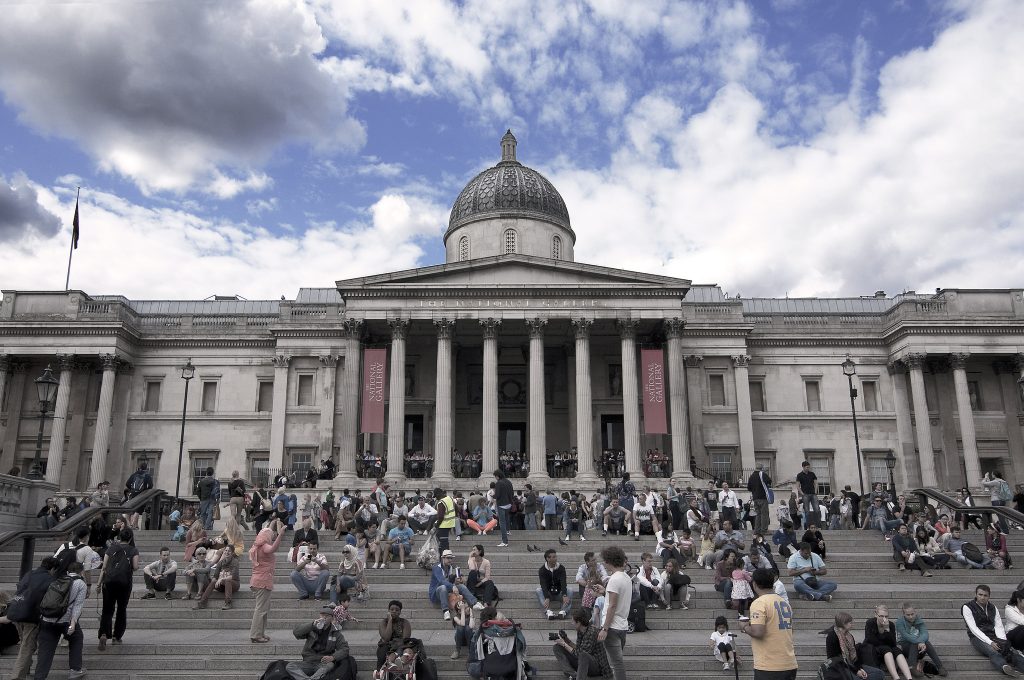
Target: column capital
x,y
445,328
282,360
1018,362
915,361
536,327
66,362
328,360
490,327
627,328
399,328
693,360
5,363
18,365
109,362
958,360
741,360
674,328
896,367
352,329
581,327
123,366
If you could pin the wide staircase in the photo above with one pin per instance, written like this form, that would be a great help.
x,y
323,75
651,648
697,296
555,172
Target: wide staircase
x,y
167,639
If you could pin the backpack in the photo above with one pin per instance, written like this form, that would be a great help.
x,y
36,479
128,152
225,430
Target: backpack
x,y
637,619
119,567
65,555
57,597
24,607
971,552
136,483
1003,491
835,669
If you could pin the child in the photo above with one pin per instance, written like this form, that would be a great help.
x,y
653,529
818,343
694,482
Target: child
x,y
707,548
342,615
742,593
687,548
463,622
721,644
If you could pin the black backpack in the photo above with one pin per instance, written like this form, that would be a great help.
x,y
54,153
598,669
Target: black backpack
x,y
971,552
65,555
24,607
119,567
637,618
57,598
137,483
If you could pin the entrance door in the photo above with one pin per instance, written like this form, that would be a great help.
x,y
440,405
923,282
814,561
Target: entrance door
x,y
414,433
512,437
613,434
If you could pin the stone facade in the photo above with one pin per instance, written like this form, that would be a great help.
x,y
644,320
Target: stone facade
x,y
517,351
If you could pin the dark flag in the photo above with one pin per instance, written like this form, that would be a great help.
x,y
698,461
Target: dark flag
x,y
74,230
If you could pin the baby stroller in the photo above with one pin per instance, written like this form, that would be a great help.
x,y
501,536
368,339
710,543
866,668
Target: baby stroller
x,y
499,652
411,664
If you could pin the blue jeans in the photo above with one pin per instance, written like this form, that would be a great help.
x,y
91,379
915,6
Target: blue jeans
x,y
566,605
985,561
344,583
997,658
441,594
811,509
503,520
725,587
206,513
876,673
910,651
887,525
307,587
824,588
999,520
530,520
613,645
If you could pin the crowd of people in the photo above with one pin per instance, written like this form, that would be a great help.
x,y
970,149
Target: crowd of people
x,y
381,529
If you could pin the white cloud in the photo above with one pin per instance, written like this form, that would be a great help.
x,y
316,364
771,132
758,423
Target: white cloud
x,y
173,254
923,192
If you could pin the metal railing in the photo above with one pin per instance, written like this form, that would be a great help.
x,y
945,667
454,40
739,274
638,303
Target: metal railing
x,y
953,504
152,497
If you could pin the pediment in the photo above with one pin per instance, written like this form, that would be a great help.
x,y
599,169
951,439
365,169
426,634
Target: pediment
x,y
514,271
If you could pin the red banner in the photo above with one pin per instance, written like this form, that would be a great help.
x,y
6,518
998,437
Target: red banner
x,y
375,379
652,372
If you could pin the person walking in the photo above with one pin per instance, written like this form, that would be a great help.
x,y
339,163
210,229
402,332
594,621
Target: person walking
x,y
209,495
23,612
618,597
119,566
59,619
760,487
771,631
263,555
236,499
504,495
808,482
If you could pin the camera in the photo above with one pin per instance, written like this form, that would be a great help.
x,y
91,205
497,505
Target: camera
x,y
552,636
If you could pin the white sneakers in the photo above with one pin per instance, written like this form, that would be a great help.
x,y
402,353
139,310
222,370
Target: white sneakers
x,y
447,615
478,606
402,565
503,545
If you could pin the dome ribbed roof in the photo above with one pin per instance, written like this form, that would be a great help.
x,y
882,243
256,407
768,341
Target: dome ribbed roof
x,y
509,189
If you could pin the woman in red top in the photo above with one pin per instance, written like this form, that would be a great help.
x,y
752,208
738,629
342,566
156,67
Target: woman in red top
x,y
263,555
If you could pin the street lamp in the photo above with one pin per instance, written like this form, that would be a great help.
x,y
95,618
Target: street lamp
x,y
46,386
188,371
850,370
890,462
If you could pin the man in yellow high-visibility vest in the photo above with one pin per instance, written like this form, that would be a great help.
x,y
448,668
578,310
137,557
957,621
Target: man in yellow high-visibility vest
x,y
445,517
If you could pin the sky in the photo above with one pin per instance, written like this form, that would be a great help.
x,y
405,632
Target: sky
x,y
253,147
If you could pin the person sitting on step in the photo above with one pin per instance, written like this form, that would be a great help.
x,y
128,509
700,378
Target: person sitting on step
x,y
987,635
727,539
645,517
223,578
586,658
553,589
446,577
311,573
912,634
675,585
805,567
905,553
617,519
160,575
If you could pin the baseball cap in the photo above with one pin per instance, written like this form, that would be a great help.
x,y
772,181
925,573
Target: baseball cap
x,y
327,609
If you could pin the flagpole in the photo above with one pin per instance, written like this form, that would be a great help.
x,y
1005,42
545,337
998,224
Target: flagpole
x,y
71,250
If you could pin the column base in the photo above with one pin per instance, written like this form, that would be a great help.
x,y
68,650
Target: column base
x,y
588,478
440,480
342,480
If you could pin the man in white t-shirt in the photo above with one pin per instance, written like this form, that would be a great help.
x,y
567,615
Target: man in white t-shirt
x,y
618,596
421,516
728,503
645,517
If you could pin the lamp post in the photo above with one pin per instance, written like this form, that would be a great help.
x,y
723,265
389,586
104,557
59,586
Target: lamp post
x,y
890,462
188,371
46,386
850,370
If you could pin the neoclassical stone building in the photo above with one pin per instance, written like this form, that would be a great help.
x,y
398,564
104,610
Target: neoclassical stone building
x,y
512,345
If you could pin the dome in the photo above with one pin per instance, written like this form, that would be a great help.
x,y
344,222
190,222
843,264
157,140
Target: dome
x,y
509,189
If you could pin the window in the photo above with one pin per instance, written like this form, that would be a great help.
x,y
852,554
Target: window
x,y
152,459
869,388
258,471
93,402
878,471
974,394
556,248
767,459
813,391
265,395
152,396
304,393
463,248
510,241
821,466
757,395
200,460
209,404
301,460
721,463
716,389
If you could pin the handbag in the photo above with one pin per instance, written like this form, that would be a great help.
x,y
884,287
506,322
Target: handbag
x,y
812,582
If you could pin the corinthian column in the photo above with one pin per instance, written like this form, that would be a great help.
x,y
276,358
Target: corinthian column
x,y
280,410
490,396
922,422
5,366
352,329
743,415
101,441
584,402
329,370
538,417
630,395
55,456
966,415
396,400
677,396
443,401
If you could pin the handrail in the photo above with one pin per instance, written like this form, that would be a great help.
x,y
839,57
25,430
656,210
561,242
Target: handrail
x,y
955,505
29,536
